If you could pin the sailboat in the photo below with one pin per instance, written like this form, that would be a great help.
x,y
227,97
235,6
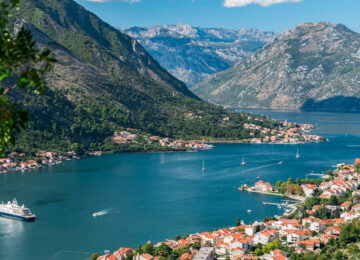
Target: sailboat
x,y
297,153
243,161
203,166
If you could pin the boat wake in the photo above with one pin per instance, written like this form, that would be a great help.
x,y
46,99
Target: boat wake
x,y
101,213
353,145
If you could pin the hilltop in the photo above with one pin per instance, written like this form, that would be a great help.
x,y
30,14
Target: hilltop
x,y
312,66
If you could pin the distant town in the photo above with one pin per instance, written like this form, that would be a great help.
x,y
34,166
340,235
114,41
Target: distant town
x,y
287,133
320,220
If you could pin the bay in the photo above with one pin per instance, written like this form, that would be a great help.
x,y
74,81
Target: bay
x,y
160,195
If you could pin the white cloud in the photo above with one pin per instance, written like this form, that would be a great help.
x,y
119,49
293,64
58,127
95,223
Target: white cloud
x,y
241,3
104,1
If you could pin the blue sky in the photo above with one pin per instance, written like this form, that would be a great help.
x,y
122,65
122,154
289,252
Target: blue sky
x,y
273,15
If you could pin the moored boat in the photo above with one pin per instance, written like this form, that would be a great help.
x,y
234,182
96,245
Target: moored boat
x,y
14,210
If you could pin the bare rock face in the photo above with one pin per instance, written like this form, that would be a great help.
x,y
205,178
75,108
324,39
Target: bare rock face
x,y
301,68
192,53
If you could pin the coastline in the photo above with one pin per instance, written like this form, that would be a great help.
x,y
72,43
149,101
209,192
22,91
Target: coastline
x,y
297,198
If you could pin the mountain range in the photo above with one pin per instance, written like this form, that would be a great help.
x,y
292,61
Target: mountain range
x,y
104,81
312,66
192,54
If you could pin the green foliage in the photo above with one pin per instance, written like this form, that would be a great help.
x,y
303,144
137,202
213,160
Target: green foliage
x,y
148,248
94,256
266,219
350,233
334,200
163,250
258,252
322,213
238,222
271,246
21,66
357,167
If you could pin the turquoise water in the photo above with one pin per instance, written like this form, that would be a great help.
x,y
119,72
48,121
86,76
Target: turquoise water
x,y
160,195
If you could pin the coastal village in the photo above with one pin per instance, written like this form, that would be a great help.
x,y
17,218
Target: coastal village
x,y
323,210
19,161
287,133
131,136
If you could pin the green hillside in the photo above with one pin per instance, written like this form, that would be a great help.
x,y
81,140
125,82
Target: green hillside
x,y
105,81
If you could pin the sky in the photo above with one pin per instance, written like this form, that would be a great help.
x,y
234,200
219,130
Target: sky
x,y
268,15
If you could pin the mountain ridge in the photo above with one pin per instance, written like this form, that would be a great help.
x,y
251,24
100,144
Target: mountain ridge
x,y
310,61
193,53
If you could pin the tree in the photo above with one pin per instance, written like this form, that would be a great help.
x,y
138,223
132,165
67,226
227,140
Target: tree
x,y
177,238
271,246
357,167
149,248
163,250
238,222
78,148
258,252
94,256
21,66
333,200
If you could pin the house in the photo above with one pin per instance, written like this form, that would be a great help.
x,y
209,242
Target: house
x,y
265,237
309,220
334,230
122,253
275,255
326,237
346,205
144,257
356,208
205,253
294,236
309,189
237,251
263,186
349,216
250,230
317,226
309,244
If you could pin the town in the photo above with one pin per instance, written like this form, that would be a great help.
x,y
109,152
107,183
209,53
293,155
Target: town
x,y
287,133
325,217
20,161
134,136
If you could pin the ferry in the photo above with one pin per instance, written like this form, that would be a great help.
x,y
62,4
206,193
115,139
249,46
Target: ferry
x,y
14,210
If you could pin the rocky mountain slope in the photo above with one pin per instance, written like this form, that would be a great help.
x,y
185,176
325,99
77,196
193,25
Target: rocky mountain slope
x,y
105,81
192,54
305,67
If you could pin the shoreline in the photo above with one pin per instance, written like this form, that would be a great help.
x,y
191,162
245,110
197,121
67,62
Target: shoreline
x,y
297,198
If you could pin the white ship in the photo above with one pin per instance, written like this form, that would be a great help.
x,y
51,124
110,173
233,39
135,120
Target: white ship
x,y
14,210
